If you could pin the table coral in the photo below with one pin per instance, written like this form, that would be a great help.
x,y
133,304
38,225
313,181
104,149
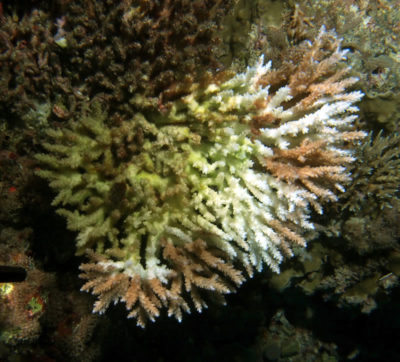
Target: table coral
x,y
176,203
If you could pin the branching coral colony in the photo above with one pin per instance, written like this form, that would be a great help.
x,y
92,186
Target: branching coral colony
x,y
177,204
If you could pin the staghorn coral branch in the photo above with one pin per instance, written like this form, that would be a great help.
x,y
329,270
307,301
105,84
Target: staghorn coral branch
x,y
194,266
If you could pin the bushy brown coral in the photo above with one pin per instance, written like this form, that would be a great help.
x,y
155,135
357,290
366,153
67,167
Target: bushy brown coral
x,y
26,72
134,52
376,176
369,29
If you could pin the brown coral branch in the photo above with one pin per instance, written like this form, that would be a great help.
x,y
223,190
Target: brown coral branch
x,y
287,234
196,266
311,164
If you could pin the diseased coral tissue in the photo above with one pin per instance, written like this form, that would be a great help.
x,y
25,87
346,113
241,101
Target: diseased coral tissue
x,y
188,200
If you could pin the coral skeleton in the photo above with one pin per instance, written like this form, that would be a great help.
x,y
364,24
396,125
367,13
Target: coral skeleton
x,y
184,203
